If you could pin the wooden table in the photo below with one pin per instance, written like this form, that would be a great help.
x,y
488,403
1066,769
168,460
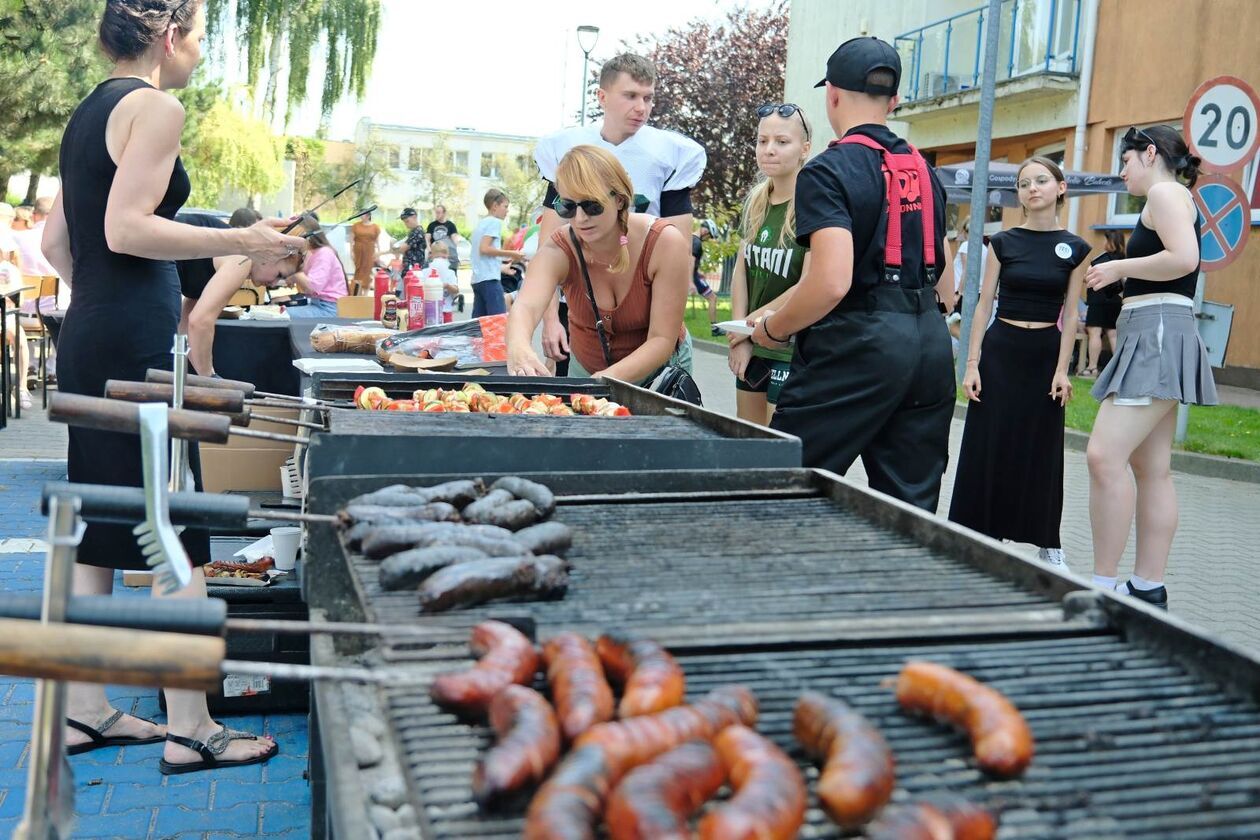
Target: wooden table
x,y
8,290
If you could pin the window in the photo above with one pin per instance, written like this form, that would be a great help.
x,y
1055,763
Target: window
x,y
1126,208
415,158
459,161
489,167
395,157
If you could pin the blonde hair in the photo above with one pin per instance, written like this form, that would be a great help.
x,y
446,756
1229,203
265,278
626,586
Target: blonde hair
x,y
757,204
589,173
439,247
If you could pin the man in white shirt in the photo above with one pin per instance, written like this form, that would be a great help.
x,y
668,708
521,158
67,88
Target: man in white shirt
x,y
663,166
32,263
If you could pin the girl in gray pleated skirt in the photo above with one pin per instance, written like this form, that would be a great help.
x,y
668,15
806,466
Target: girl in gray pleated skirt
x,y
1159,361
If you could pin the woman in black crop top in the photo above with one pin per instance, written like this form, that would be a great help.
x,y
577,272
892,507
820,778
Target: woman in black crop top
x,y
111,230
1009,483
1159,361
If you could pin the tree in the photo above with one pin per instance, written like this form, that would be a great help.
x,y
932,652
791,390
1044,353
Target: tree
x,y
311,174
520,180
370,166
48,63
284,34
711,78
232,150
440,180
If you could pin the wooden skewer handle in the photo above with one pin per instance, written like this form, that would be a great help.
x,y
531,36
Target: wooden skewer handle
x,y
195,398
124,417
110,655
165,377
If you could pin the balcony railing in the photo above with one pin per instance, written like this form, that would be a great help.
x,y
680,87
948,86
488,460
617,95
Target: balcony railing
x,y
944,57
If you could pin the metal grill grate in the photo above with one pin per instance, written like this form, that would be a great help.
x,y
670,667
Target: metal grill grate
x,y
682,567
1128,745
388,423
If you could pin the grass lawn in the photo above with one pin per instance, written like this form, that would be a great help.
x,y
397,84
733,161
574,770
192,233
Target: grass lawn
x,y
696,317
1223,430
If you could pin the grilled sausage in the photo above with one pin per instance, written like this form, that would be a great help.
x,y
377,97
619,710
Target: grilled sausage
x,y
457,493
569,804
1000,736
629,743
955,819
654,801
513,515
491,500
430,512
652,680
541,496
858,773
407,569
385,540
578,686
546,538
477,581
506,657
770,794
528,745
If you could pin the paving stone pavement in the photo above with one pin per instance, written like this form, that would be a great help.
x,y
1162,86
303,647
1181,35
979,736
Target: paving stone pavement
x,y
1212,571
119,792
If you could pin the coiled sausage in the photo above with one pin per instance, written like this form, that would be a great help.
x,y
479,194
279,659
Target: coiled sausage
x,y
858,773
528,744
770,794
652,680
578,687
506,657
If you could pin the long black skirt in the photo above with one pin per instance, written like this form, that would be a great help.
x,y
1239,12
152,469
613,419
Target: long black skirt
x,y
1009,483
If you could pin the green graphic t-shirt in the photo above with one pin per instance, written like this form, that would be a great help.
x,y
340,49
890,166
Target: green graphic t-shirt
x,y
772,268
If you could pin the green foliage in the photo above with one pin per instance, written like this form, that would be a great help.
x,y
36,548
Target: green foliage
x,y
370,166
232,150
48,63
440,181
696,318
276,35
522,185
396,229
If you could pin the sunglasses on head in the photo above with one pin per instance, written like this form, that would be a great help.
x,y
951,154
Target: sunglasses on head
x,y
1137,140
786,110
566,208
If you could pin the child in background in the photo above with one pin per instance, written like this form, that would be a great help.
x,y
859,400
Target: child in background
x,y
440,258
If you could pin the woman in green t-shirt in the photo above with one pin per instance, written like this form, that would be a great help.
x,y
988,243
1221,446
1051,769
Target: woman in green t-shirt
x,y
770,261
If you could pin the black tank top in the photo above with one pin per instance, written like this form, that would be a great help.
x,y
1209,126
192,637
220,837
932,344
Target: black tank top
x,y
1143,243
101,276
195,274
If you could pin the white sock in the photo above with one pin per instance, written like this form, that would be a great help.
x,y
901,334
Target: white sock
x,y
1144,585
1105,582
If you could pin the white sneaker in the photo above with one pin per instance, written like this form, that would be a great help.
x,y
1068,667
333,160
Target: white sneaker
x,y
1052,557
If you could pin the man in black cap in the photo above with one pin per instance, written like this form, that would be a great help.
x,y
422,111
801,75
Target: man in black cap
x,y
872,372
412,248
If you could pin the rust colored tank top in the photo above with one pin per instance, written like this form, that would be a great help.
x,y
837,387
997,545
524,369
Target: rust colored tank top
x,y
626,326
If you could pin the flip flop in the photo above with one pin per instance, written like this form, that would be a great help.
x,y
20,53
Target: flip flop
x,y
213,747
99,739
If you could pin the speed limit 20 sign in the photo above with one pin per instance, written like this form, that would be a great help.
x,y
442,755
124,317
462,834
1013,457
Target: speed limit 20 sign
x,y
1222,123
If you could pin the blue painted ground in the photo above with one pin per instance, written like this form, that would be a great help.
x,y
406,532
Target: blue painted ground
x,y
119,792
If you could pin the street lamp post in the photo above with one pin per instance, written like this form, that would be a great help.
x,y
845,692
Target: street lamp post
x,y
587,36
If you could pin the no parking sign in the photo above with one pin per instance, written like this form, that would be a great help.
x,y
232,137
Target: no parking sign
x,y
1225,215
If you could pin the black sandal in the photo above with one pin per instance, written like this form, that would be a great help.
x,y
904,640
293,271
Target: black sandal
x,y
210,751
99,739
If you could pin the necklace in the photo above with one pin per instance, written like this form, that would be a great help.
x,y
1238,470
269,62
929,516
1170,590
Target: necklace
x,y
596,258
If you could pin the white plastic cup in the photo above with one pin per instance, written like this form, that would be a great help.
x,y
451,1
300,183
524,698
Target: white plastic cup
x,y
284,545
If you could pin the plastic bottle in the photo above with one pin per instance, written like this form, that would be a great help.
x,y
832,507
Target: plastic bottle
x,y
389,312
415,301
433,298
380,288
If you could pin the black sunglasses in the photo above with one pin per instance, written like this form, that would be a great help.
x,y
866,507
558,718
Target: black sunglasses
x,y
1137,140
566,208
786,110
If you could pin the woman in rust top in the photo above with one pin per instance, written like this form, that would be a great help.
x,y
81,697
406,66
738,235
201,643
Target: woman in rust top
x,y
639,270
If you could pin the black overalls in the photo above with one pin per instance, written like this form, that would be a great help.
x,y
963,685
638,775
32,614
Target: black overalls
x,y
875,376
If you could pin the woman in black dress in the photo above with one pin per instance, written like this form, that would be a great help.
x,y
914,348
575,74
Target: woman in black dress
x,y
111,233
1104,305
1009,483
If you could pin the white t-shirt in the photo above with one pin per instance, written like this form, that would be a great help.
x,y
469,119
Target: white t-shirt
x,y
487,267
657,160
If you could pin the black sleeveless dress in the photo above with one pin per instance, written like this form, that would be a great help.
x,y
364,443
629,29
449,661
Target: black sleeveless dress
x,y
121,321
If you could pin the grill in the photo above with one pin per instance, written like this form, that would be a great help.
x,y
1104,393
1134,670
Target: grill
x,y
1144,727
663,434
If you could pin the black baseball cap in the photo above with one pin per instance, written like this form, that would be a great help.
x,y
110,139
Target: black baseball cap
x,y
408,212
856,59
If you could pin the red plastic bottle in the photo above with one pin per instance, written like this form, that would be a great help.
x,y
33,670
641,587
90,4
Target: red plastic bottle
x,y
380,288
415,301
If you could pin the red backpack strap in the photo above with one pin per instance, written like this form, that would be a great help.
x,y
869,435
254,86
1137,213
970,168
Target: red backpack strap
x,y
928,213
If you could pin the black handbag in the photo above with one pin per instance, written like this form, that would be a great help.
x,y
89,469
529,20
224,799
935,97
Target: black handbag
x,y
671,380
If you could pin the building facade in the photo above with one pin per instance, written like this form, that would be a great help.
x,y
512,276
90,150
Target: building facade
x,y
472,161
1148,58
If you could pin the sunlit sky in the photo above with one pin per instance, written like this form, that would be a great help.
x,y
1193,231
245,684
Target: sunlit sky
x,y
493,65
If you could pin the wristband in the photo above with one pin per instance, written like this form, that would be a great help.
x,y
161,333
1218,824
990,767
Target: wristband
x,y
765,325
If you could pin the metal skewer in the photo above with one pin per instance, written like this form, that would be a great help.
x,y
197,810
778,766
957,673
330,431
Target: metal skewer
x,y
298,220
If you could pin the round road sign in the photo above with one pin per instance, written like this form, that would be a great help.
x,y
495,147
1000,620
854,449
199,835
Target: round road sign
x,y
1222,123
1225,216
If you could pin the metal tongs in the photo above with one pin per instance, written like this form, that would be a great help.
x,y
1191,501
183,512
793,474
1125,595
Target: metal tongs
x,y
158,539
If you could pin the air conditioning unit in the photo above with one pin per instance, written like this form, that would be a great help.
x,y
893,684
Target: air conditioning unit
x,y
939,84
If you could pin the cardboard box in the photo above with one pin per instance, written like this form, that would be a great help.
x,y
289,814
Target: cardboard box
x,y
246,463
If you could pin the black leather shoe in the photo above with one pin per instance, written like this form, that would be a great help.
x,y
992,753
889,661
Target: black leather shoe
x,y
1157,597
